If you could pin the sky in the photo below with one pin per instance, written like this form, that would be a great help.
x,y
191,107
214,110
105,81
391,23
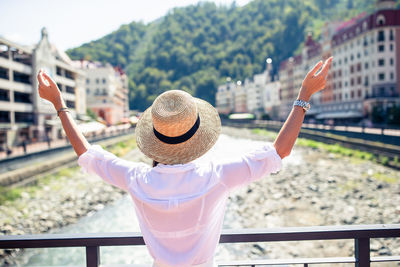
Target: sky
x,y
71,23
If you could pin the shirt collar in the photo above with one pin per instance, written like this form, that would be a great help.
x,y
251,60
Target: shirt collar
x,y
176,168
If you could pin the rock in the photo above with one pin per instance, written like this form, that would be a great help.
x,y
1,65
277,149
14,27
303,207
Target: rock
x,y
384,251
313,187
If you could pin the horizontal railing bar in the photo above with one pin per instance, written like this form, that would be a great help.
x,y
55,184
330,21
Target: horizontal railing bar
x,y
385,258
311,233
228,236
289,261
72,240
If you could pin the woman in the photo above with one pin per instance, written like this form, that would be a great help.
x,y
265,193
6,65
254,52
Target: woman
x,y
180,202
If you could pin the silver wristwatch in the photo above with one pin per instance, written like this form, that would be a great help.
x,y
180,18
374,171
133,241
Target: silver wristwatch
x,y
301,103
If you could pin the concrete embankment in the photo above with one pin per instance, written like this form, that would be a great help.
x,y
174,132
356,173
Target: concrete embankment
x,y
48,164
313,188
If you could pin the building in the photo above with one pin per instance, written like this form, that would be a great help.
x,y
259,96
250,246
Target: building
x,y
272,99
224,98
231,98
365,72
240,98
106,91
255,91
291,75
252,96
23,114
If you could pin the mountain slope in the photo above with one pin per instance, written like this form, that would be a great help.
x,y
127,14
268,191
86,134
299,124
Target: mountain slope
x,y
195,48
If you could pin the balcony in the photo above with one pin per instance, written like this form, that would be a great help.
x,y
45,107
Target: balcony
x,y
361,234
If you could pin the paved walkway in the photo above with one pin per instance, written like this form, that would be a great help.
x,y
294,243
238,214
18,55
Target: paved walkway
x,y
34,147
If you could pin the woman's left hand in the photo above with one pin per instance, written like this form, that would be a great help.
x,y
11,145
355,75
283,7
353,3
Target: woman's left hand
x,y
314,82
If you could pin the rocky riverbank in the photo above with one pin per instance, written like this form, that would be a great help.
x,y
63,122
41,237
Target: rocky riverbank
x,y
317,188
313,188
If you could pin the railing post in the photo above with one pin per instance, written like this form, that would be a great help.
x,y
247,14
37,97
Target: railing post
x,y
362,252
92,257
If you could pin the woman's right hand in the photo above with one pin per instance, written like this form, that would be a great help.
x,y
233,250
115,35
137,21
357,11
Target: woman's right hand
x,y
48,90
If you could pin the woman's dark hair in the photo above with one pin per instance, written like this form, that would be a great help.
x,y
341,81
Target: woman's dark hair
x,y
155,163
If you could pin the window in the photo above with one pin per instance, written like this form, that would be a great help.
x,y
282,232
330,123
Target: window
x,y
358,55
4,116
25,117
366,65
359,80
4,74
381,48
70,104
381,62
70,89
391,61
87,90
351,57
104,81
359,67
391,35
22,97
381,76
87,81
58,71
97,80
359,93
381,36
380,20
391,47
22,77
351,81
365,25
351,69
392,76
345,60
4,95
366,82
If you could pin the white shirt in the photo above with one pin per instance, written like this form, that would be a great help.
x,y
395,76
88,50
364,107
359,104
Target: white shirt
x,y
180,208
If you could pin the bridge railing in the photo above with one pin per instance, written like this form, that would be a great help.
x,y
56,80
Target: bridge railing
x,y
361,234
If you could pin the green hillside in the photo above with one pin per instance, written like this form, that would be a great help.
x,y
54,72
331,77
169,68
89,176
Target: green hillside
x,y
196,48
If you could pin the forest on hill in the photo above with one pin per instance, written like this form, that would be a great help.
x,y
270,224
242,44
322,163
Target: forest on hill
x,y
196,48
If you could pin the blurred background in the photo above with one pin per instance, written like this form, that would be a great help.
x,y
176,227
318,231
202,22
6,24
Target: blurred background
x,y
111,59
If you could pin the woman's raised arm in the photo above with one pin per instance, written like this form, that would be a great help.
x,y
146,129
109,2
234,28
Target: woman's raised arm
x,y
48,90
312,83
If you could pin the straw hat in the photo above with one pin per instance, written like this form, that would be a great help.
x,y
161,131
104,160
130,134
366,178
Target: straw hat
x,y
177,128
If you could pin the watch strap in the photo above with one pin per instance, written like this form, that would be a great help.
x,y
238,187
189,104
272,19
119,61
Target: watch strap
x,y
301,103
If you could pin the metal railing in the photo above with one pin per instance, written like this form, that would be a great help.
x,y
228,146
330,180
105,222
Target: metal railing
x,y
361,234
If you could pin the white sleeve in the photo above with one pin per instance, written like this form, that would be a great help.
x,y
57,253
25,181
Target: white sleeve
x,y
248,168
114,170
